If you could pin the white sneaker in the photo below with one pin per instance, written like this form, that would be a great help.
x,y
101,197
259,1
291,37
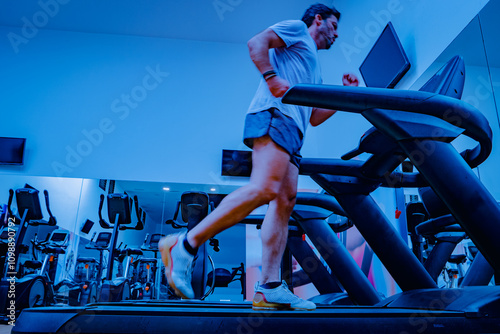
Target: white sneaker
x,y
280,298
178,264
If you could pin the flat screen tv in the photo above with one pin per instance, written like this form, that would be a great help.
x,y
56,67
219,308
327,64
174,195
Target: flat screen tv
x,y
236,163
12,151
87,226
386,63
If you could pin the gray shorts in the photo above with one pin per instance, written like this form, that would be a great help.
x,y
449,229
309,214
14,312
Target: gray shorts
x,y
281,128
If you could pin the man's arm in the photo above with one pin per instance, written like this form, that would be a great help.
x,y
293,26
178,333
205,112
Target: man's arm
x,y
319,115
259,46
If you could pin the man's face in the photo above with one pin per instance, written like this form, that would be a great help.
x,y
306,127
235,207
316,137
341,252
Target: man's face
x,y
328,30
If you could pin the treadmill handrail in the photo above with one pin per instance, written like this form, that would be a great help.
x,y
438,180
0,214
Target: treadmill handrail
x,y
362,99
332,166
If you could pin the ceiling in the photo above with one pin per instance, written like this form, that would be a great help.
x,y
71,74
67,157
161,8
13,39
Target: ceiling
x,y
229,21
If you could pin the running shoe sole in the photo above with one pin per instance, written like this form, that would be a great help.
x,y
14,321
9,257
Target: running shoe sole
x,y
260,303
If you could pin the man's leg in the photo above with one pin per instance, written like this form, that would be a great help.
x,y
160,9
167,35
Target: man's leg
x,y
270,165
274,231
271,294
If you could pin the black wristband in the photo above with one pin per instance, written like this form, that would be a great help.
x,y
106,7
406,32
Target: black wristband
x,y
270,73
270,76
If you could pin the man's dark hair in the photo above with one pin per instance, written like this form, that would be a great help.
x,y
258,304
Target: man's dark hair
x,y
320,9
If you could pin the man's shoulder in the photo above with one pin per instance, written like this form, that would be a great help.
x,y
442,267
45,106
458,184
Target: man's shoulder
x,y
290,25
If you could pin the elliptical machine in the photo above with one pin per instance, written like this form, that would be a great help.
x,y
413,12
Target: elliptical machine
x,y
431,223
145,286
56,244
101,245
117,289
18,293
84,287
194,206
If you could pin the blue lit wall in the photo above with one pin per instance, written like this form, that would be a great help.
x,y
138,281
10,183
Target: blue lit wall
x,y
139,108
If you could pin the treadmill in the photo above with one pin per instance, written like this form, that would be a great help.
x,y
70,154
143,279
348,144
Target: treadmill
x,y
407,118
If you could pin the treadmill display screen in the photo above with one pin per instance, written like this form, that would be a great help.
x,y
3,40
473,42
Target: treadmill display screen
x,y
103,239
155,238
58,237
386,63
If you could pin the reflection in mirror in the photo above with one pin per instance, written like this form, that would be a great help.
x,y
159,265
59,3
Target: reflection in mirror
x,y
76,205
41,216
477,44
160,202
489,89
488,19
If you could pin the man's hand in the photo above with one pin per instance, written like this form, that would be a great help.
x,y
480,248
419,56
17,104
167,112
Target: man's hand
x,y
278,86
350,79
319,115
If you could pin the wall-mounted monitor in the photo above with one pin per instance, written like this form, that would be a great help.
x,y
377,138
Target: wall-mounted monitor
x,y
386,63
87,226
236,163
12,151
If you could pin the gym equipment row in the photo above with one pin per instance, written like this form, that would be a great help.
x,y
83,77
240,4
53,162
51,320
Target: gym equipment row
x,y
117,274
29,267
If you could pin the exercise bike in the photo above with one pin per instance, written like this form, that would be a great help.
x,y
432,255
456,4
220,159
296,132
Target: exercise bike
x,y
55,245
118,288
145,286
19,292
83,288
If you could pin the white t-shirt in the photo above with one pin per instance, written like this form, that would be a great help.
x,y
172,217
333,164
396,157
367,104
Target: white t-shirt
x,y
297,63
